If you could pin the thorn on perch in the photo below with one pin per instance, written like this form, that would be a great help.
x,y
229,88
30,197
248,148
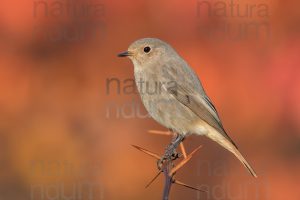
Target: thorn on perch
x,y
186,185
166,133
183,162
147,152
183,150
155,177
169,169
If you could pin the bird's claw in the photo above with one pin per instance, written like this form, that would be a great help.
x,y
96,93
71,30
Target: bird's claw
x,y
160,164
170,154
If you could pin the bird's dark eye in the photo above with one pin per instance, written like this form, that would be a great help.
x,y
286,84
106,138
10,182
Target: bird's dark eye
x,y
147,49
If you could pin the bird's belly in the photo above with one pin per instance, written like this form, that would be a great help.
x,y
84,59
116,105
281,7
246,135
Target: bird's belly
x,y
163,106
166,110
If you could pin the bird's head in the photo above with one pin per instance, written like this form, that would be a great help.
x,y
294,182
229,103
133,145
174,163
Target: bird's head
x,y
146,51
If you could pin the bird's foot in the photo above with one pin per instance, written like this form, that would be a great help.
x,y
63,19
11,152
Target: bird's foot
x,y
170,153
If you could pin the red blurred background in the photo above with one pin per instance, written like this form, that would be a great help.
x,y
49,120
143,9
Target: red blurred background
x,y
65,132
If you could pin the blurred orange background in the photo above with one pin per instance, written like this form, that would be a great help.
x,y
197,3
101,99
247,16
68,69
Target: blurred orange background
x,y
65,132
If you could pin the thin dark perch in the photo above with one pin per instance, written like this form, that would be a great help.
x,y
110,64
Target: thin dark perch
x,y
168,180
168,168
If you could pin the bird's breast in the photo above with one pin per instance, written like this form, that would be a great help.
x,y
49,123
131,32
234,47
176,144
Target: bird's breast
x,y
161,105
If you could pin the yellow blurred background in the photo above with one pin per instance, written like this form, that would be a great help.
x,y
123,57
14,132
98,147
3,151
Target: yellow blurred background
x,y
66,129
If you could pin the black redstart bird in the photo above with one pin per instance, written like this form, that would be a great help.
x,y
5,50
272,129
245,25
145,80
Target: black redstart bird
x,y
173,95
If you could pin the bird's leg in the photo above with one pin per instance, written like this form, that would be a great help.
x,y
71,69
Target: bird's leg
x,y
170,153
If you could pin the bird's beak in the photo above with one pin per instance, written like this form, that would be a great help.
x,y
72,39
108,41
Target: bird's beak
x,y
125,54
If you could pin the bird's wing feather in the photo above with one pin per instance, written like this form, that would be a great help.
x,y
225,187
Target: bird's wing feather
x,y
199,103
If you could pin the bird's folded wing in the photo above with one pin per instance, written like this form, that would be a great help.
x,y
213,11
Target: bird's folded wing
x,y
200,105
